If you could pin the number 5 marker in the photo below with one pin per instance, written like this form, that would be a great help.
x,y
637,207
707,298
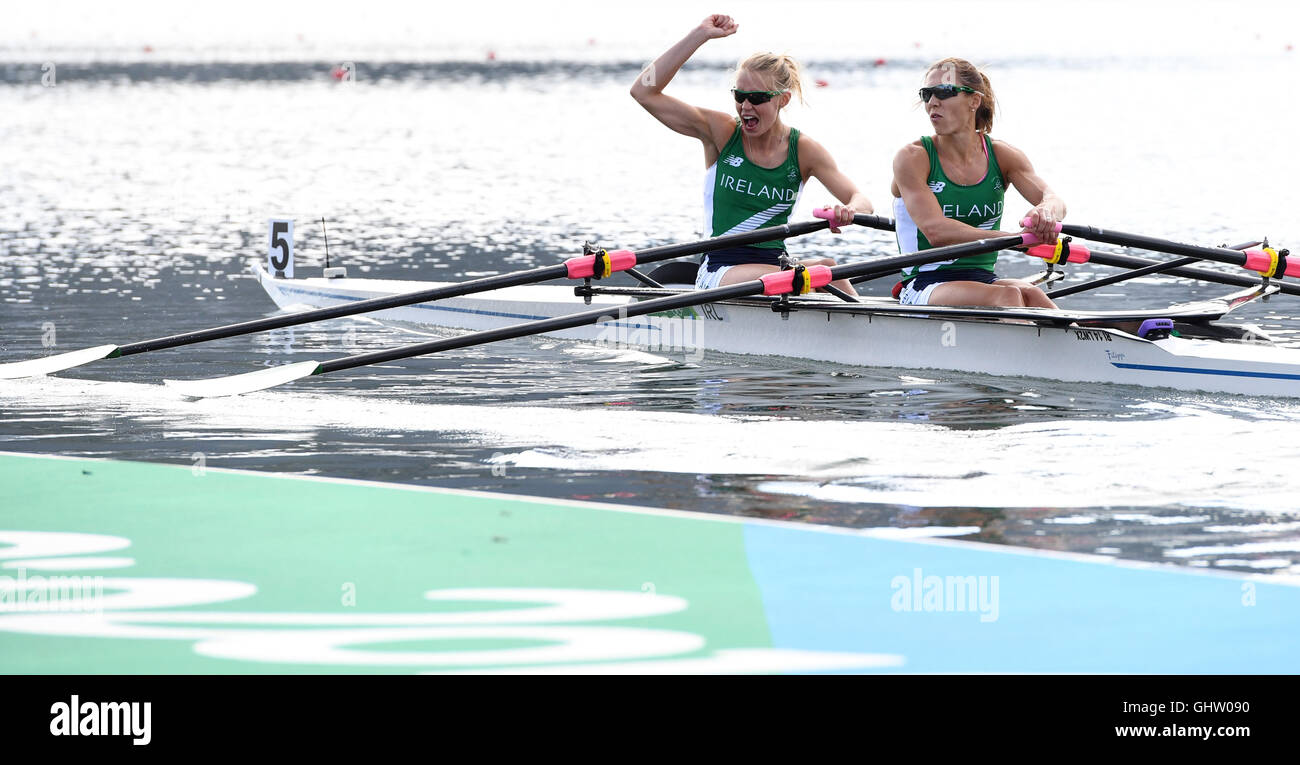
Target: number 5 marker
x,y
279,253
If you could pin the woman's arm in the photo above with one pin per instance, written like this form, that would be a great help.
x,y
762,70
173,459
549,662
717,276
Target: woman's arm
x,y
911,173
818,163
714,128
1048,207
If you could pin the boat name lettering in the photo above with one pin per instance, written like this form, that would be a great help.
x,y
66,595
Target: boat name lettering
x,y
1092,334
768,192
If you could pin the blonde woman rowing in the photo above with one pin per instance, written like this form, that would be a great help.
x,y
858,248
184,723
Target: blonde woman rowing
x,y
756,164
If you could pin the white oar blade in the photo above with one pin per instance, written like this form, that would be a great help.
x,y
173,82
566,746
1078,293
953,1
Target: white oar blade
x,y
248,382
56,363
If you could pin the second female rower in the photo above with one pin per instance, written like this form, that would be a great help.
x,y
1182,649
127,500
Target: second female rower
x,y
756,164
949,189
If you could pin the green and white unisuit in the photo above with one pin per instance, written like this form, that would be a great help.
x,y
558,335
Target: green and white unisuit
x,y
740,196
979,205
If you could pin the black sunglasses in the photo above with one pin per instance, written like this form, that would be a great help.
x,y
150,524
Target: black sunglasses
x,y
755,97
944,92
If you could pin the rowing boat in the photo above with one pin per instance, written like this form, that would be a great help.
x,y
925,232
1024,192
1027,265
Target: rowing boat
x,y
779,315
1119,347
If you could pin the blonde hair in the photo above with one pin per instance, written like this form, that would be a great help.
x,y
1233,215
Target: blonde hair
x,y
782,71
959,71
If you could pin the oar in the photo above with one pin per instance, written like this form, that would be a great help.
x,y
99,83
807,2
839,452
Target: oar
x,y
1267,262
594,266
798,280
884,224
1202,274
872,221
1154,268
1136,273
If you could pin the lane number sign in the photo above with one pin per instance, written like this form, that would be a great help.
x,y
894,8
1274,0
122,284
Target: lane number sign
x,y
279,254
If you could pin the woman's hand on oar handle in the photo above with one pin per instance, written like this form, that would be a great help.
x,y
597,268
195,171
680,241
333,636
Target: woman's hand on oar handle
x,y
839,215
718,25
1041,221
1030,238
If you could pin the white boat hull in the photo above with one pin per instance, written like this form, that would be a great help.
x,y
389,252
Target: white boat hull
x,y
995,347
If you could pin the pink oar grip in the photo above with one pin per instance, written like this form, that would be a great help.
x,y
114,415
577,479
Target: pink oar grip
x,y
1078,253
1024,223
827,213
1261,262
621,260
585,267
1257,260
782,282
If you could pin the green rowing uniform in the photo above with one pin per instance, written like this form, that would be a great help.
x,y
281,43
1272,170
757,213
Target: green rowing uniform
x,y
741,196
978,205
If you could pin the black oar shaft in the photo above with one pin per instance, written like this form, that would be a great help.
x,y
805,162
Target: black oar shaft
x,y
345,309
1220,254
1155,268
541,326
532,276
874,221
672,302
898,262
1188,272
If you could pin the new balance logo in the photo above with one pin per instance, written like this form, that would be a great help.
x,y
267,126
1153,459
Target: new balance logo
x,y
937,186
734,160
